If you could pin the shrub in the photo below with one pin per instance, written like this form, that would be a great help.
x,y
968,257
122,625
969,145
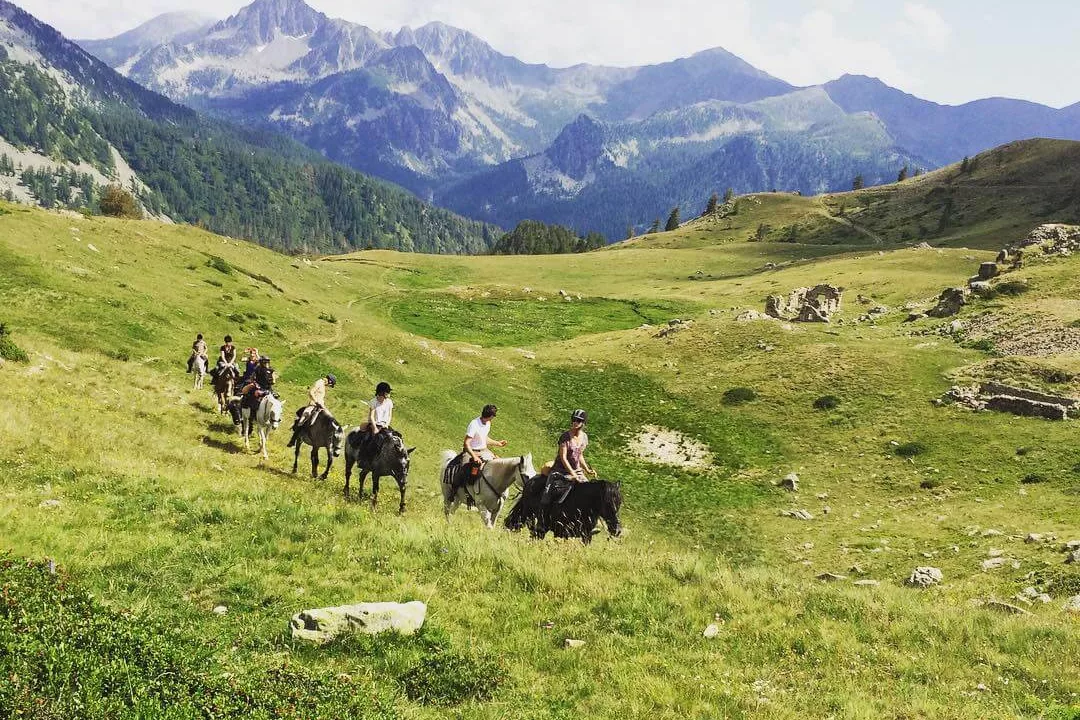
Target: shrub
x,y
983,344
739,395
1012,288
1033,478
910,449
826,402
8,349
220,265
929,483
446,677
115,201
328,317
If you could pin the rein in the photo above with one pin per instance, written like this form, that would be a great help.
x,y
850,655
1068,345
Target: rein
x,y
521,477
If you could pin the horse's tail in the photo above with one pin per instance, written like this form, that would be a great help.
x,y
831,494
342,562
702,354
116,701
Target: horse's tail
x,y
447,457
518,515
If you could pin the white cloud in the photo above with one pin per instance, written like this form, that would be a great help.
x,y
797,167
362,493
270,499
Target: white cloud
x,y
927,25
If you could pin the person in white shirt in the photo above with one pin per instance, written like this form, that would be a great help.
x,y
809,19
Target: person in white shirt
x,y
477,439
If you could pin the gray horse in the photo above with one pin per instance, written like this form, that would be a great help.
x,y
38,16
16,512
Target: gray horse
x,y
323,432
385,454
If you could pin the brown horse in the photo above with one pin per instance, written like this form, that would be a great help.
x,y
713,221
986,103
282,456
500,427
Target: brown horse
x,y
225,385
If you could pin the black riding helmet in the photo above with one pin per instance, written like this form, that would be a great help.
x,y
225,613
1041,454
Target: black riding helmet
x,y
264,358
579,416
383,388
331,380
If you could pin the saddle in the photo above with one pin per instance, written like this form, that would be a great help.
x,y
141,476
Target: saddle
x,y
460,473
556,489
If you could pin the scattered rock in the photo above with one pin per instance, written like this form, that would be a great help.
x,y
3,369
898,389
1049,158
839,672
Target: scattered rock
x,y
1072,605
979,287
711,631
1071,545
994,563
915,316
797,514
789,482
925,576
949,302
1073,557
220,610
670,447
50,504
807,304
831,577
988,270
1038,538
749,315
674,326
572,643
1006,607
991,532
866,583
324,624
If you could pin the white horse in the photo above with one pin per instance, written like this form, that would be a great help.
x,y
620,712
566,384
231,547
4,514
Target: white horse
x,y
198,369
490,489
267,419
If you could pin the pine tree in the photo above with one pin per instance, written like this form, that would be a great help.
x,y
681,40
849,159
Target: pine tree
x,y
858,183
902,175
672,221
629,231
654,228
729,195
965,164
714,200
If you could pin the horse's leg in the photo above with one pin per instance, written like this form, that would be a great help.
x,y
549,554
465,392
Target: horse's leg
x,y
348,472
374,490
296,456
496,511
401,487
329,464
360,483
314,461
263,437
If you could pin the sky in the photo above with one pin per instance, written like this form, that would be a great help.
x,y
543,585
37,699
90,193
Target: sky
x,y
948,51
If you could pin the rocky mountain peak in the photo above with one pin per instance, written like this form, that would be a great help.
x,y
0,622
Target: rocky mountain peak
x,y
261,21
577,147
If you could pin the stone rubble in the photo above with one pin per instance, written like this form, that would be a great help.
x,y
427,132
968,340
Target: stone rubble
x,y
806,304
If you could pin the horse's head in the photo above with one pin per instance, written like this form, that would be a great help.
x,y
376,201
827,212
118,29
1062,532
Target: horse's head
x,y
234,410
337,439
525,469
396,456
610,503
274,410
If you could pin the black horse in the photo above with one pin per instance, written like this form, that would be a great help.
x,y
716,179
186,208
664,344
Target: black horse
x,y
324,432
384,454
574,517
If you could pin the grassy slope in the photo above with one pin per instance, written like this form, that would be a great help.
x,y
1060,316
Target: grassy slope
x,y
162,513
1007,191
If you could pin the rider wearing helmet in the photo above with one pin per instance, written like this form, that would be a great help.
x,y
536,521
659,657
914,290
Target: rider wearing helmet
x,y
380,413
198,349
316,403
261,383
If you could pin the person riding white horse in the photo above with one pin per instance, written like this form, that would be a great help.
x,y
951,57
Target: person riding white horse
x,y
488,489
198,349
306,415
475,449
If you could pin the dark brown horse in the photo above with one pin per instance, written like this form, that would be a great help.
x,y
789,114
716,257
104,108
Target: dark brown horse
x,y
575,517
225,385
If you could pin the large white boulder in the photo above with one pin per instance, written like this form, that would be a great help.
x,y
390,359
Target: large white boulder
x,y
324,624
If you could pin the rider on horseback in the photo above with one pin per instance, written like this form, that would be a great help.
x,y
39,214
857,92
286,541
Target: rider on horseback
x,y
380,414
198,349
316,403
475,448
259,386
570,466
226,358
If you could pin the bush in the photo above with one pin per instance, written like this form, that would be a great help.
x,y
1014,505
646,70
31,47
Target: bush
x,y
826,402
446,678
1011,288
929,483
328,317
910,449
984,345
220,265
115,201
739,395
1033,479
8,349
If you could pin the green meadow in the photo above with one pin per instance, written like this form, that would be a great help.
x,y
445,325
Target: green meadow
x,y
114,469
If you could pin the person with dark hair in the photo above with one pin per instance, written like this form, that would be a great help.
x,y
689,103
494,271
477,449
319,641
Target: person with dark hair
x,y
261,383
227,356
475,450
570,466
198,349
380,415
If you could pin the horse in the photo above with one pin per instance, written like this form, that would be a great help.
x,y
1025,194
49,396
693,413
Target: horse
x,y
224,385
322,432
489,490
386,454
575,517
198,369
266,417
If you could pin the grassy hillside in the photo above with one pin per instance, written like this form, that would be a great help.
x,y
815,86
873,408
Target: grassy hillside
x,y
162,516
985,203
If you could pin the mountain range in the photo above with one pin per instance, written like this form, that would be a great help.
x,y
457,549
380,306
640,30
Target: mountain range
x,y
439,111
69,125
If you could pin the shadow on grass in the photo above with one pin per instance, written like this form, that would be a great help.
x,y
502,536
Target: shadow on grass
x,y
230,447
225,427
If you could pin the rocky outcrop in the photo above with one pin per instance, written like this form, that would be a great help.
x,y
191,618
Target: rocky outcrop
x,y
925,577
322,625
949,302
1009,399
807,304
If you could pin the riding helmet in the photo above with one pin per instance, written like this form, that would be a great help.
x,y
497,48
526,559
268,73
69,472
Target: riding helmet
x,y
228,338
331,380
383,388
264,358
579,416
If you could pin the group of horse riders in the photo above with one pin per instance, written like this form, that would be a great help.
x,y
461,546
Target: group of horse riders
x,y
568,468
